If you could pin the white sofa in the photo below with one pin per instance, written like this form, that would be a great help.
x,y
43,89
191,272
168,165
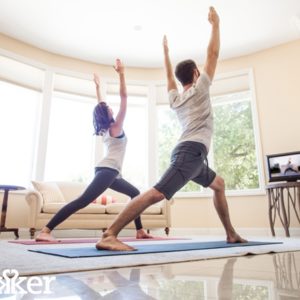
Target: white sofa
x,y
48,197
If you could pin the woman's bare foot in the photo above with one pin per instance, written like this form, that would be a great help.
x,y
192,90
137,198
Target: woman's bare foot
x,y
235,238
45,237
142,234
112,243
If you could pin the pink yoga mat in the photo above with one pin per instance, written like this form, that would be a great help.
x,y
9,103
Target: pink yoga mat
x,y
91,240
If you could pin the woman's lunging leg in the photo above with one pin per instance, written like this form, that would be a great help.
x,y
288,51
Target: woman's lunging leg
x,y
122,186
102,180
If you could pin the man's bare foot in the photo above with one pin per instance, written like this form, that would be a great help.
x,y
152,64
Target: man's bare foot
x,y
45,237
235,238
141,234
112,243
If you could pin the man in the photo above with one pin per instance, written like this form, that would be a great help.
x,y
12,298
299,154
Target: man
x,y
188,160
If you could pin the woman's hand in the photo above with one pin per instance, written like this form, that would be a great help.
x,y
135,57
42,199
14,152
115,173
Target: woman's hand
x,y
96,80
119,67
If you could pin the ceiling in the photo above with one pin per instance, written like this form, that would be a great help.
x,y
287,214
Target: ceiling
x,y
102,30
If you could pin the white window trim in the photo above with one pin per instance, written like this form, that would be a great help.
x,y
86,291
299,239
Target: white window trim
x,y
231,193
152,136
257,136
42,140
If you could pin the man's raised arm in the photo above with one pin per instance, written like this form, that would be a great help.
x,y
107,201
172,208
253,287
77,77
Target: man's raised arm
x,y
213,48
170,76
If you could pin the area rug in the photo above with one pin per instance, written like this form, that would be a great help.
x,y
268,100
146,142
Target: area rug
x,y
91,240
15,256
146,249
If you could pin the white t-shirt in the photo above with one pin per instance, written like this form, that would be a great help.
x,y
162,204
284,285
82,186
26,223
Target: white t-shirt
x,y
194,111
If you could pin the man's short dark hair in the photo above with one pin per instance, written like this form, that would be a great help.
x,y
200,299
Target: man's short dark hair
x,y
185,71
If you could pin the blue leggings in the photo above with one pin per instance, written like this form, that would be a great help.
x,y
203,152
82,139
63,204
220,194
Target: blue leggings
x,y
104,178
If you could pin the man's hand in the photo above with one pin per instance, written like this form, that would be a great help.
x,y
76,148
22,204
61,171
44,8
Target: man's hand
x,y
119,67
165,44
96,80
213,17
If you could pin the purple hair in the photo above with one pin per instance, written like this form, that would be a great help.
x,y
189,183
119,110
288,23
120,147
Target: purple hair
x,y
101,118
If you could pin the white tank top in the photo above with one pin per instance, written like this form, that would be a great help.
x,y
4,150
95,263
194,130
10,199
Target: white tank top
x,y
115,148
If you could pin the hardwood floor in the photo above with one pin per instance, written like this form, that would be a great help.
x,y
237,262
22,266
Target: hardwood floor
x,y
270,276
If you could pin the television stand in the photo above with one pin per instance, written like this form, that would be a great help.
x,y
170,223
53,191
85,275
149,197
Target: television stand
x,y
282,196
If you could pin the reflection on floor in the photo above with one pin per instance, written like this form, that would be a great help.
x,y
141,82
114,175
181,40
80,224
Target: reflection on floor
x,y
270,276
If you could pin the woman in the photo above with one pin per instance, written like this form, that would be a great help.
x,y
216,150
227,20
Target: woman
x,y
108,170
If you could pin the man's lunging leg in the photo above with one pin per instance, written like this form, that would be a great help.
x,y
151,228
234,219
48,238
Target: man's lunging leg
x,y
133,209
122,186
220,202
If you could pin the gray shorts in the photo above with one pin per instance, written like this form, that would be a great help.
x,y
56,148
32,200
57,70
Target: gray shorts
x,y
188,162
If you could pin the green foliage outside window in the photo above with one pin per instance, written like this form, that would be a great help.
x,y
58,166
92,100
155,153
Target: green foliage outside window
x,y
176,289
249,292
233,145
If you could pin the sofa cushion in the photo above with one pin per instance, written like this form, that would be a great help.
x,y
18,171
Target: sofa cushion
x,y
53,208
71,190
49,191
116,208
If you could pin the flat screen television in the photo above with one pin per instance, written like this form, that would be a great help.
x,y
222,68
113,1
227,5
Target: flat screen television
x,y
284,166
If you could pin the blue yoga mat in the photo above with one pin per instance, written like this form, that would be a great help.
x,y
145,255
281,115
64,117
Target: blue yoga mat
x,y
143,249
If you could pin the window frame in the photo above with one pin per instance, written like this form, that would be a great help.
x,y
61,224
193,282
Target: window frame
x,y
143,105
206,192
78,99
152,132
32,141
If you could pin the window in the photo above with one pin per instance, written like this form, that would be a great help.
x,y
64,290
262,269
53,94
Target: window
x,y
233,144
234,147
168,134
70,146
64,122
135,126
19,111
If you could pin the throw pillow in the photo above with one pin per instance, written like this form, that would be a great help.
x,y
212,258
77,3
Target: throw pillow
x,y
49,191
105,199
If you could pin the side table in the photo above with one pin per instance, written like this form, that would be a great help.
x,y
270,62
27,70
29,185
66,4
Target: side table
x,y
6,189
282,196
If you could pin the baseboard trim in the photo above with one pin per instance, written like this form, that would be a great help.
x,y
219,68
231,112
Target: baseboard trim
x,y
245,232
294,231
